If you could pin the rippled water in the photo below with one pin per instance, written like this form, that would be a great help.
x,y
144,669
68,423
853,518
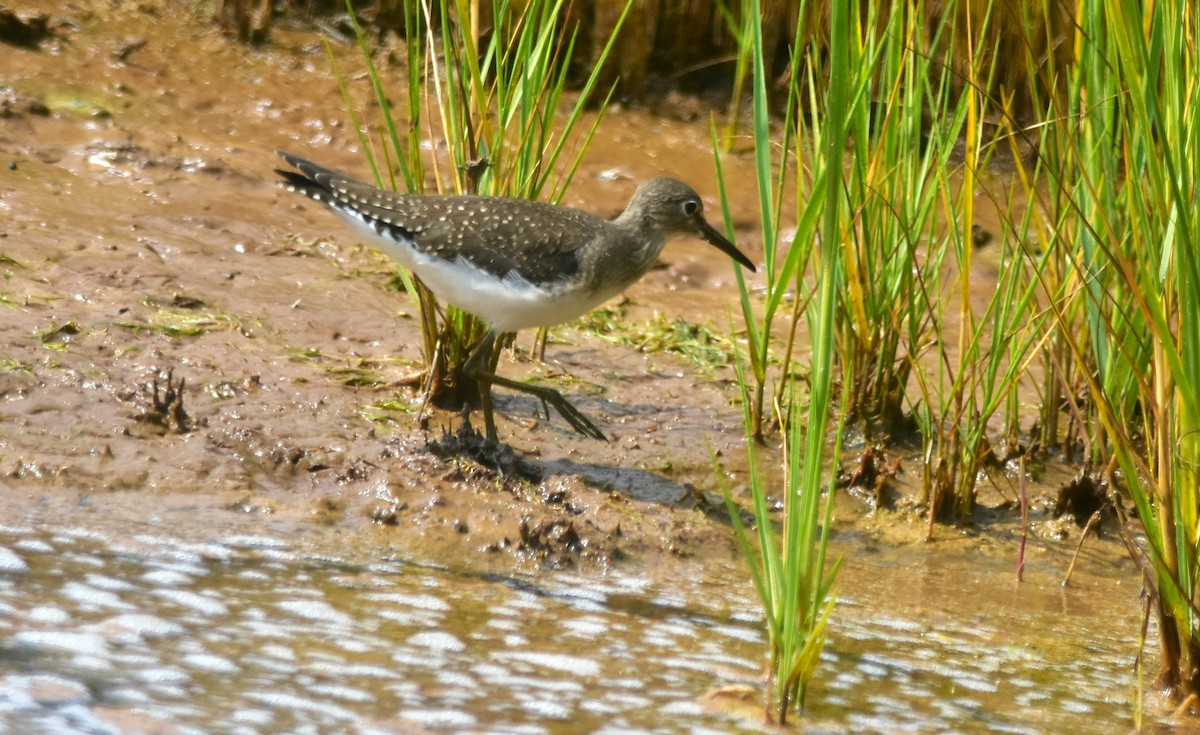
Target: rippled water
x,y
246,634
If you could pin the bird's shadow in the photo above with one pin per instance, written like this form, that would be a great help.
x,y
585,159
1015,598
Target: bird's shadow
x,y
635,484
631,483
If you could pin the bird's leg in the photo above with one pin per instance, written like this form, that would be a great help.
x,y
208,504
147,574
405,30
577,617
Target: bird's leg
x,y
478,366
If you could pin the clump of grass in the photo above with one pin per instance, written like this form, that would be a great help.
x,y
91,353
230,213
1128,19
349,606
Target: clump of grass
x,y
1098,284
788,568
163,404
876,231
915,349
1124,211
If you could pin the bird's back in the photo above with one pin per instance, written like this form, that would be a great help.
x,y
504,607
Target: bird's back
x,y
499,235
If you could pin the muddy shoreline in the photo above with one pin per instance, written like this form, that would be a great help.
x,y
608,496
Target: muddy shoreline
x,y
146,245
145,238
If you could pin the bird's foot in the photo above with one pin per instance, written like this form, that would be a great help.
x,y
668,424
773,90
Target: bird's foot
x,y
488,453
577,420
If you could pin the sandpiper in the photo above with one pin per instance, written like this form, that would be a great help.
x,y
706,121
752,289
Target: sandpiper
x,y
515,263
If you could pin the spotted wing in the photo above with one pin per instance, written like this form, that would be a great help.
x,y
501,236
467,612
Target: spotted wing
x,y
498,235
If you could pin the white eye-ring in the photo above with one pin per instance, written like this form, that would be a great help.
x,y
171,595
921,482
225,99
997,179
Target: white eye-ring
x,y
691,207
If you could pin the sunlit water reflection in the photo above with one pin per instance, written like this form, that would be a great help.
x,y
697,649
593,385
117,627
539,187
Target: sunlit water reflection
x,y
245,634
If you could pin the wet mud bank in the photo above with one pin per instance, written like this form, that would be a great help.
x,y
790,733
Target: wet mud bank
x,y
177,324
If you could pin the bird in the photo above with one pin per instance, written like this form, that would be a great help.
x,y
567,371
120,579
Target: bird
x,y
514,263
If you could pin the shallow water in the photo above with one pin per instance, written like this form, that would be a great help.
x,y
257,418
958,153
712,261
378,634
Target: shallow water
x,y
257,634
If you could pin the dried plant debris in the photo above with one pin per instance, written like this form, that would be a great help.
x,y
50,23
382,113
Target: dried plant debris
x,y
164,404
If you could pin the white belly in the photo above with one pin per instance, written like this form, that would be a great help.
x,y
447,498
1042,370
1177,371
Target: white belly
x,y
507,304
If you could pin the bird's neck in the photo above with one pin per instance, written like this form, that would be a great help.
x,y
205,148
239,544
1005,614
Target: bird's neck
x,y
647,237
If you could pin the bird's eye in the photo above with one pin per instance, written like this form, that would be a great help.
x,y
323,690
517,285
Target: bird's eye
x,y
691,207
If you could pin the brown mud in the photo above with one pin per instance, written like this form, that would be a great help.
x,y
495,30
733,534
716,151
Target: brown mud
x,y
146,251
182,339
144,242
